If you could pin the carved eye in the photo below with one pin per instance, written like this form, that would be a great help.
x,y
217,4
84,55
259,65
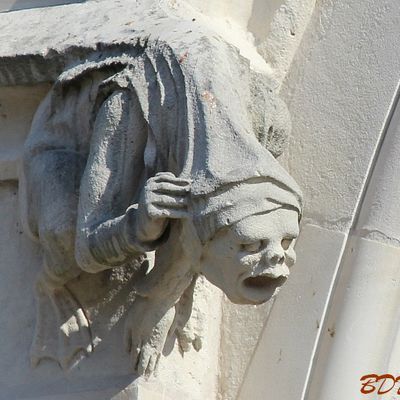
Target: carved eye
x,y
252,247
286,243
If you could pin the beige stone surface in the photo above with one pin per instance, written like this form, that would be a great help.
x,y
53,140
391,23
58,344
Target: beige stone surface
x,y
363,321
281,360
339,90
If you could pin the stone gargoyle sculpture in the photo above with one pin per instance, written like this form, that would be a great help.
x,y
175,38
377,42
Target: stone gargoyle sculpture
x,y
152,147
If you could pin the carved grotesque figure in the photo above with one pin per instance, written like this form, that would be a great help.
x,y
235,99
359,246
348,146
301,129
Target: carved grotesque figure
x,y
251,259
241,240
151,150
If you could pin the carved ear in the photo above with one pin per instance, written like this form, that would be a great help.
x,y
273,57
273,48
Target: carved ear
x,y
270,117
279,128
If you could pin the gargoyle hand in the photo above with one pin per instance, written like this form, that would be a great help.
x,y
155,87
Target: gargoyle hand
x,y
146,330
163,197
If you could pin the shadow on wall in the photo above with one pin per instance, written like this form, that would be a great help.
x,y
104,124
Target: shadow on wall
x,y
254,16
15,5
261,17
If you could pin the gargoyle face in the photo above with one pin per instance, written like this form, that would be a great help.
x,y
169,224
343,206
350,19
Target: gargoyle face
x,y
250,260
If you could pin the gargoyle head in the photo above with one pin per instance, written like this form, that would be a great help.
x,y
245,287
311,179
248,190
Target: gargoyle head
x,y
248,232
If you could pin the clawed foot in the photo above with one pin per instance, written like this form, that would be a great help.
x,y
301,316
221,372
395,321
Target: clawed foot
x,y
146,331
188,338
190,326
62,329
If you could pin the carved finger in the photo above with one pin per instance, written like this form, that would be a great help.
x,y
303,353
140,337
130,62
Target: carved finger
x,y
197,343
136,351
164,173
171,188
144,359
169,177
152,365
173,213
165,200
184,342
35,361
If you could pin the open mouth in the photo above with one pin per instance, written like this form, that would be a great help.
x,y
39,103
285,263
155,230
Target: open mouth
x,y
261,288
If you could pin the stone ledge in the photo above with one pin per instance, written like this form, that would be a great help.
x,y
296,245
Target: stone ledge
x,y
140,390
16,5
91,26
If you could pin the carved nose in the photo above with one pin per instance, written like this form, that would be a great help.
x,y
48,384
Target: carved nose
x,y
276,256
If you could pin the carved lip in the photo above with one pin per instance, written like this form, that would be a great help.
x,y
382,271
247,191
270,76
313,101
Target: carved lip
x,y
260,288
